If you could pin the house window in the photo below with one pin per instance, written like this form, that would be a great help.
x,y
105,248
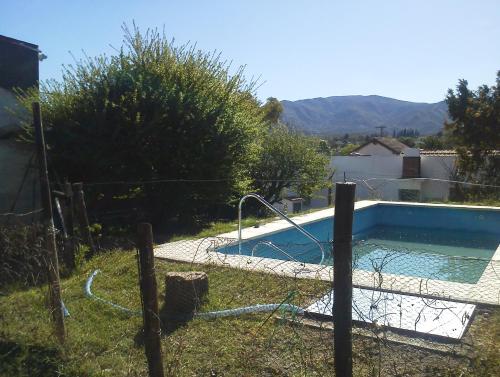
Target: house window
x,y
407,195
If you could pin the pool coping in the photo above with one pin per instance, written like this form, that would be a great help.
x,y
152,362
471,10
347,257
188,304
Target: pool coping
x,y
202,251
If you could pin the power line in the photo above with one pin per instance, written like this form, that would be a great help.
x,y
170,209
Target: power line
x,y
182,180
185,180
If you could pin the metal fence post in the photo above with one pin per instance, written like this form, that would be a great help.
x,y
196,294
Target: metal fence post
x,y
342,277
149,294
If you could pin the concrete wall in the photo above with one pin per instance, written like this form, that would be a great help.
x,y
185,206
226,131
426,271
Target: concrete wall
x,y
379,177
440,167
371,169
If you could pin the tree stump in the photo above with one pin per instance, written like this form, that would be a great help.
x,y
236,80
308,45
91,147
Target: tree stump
x,y
184,293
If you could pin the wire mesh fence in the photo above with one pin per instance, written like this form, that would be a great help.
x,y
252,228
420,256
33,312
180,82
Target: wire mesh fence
x,y
426,288
404,323
22,252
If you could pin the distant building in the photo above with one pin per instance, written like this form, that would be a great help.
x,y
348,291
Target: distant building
x,y
381,146
18,69
386,169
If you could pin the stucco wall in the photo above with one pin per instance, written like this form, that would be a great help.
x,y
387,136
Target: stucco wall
x,y
377,177
370,169
14,159
440,167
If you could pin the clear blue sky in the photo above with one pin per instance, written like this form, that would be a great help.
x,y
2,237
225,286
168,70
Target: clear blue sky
x,y
410,50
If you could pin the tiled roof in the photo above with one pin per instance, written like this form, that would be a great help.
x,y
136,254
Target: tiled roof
x,y
449,152
443,152
390,143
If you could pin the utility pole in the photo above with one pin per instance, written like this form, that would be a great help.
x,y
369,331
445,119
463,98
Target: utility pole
x,y
381,130
55,302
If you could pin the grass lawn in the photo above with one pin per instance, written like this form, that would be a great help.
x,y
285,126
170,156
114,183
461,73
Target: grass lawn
x,y
219,227
102,341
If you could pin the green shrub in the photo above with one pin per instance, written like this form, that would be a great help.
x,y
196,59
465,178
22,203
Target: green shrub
x,y
153,112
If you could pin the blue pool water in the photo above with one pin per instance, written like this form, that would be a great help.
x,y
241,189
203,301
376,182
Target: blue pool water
x,y
444,243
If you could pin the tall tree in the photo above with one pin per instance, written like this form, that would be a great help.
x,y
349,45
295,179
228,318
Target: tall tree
x,y
152,112
288,159
475,128
272,110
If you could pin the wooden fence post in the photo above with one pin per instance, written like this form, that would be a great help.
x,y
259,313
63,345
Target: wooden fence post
x,y
149,294
81,212
69,246
342,277
55,302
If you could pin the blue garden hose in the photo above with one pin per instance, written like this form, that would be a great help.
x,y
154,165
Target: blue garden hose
x,y
260,308
65,310
89,293
251,309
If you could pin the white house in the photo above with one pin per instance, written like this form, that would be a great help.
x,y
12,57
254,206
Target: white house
x,y
385,146
387,169
384,168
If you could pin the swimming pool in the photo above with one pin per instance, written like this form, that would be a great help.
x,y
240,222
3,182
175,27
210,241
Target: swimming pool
x,y
434,242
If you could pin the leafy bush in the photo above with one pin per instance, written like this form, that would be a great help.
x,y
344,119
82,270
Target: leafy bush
x,y
288,159
475,128
162,116
153,112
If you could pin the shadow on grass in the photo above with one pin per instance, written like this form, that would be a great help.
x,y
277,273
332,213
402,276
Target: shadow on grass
x,y
18,360
168,325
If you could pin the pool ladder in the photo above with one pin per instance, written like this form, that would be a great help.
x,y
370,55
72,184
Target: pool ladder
x,y
273,246
284,217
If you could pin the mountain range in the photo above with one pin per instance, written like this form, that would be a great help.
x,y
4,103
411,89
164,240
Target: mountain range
x,y
361,114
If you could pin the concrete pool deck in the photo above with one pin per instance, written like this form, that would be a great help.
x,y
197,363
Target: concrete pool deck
x,y
202,251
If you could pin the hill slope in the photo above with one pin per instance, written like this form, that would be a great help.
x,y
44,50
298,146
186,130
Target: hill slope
x,y
361,114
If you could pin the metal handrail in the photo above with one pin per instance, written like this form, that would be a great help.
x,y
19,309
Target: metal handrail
x,y
283,216
273,246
